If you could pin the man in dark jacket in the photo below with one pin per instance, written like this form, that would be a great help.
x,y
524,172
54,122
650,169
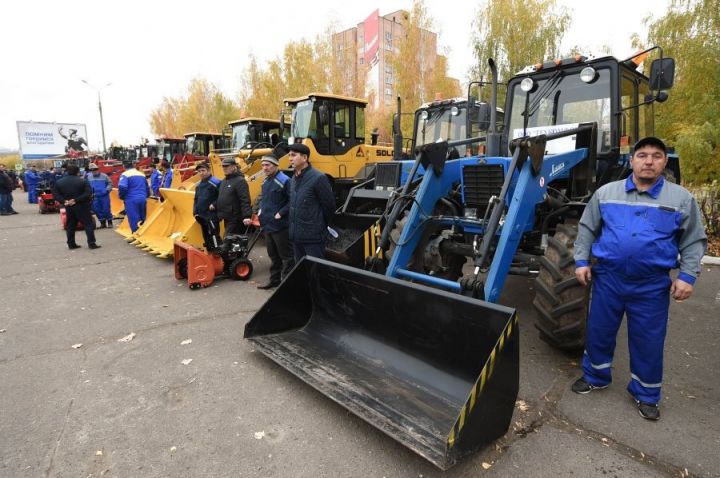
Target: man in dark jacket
x,y
312,205
6,189
75,194
274,208
206,194
233,202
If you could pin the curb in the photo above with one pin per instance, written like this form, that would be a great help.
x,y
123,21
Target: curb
x,y
715,261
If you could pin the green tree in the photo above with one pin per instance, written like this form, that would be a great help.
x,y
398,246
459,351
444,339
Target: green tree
x,y
690,120
516,33
205,108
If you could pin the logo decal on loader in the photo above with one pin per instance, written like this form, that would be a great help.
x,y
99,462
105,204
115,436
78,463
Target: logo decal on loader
x,y
360,153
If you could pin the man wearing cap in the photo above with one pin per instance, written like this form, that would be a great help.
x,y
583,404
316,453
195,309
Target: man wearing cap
x,y
233,202
274,208
155,178
31,180
312,205
635,229
101,186
75,194
206,194
133,190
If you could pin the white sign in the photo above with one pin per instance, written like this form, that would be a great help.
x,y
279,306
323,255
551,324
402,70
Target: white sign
x,y
561,145
46,140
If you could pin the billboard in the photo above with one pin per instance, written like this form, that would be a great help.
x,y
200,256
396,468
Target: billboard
x,y
46,140
371,32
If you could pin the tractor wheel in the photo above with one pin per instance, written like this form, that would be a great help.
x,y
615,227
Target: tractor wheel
x,y
239,269
182,266
560,301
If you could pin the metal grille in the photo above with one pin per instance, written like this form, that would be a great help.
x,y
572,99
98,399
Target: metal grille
x,y
387,176
480,182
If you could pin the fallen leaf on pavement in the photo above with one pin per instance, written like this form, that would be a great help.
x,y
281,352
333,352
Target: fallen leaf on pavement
x,y
98,453
259,435
128,337
77,346
186,342
186,361
486,465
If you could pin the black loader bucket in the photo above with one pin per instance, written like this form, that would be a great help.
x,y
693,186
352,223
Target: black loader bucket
x,y
355,239
434,370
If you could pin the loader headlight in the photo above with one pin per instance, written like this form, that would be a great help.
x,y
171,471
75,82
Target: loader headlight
x,y
424,115
470,212
588,74
527,84
454,111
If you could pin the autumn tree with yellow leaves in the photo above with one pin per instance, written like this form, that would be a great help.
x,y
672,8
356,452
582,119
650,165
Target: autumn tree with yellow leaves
x,y
204,108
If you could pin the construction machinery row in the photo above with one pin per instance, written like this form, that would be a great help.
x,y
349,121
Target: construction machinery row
x,y
402,326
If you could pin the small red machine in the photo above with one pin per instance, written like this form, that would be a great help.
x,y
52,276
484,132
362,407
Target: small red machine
x,y
200,268
46,200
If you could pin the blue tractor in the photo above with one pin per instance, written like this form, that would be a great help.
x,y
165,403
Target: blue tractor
x,y
423,351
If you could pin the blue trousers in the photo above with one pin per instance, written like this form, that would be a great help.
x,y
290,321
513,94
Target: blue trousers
x,y
32,193
315,249
101,206
645,302
135,210
5,202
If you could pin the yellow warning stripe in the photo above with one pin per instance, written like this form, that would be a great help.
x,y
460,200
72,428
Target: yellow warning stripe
x,y
370,237
479,386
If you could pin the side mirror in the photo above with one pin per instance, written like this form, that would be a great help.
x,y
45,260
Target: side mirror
x,y
480,114
662,74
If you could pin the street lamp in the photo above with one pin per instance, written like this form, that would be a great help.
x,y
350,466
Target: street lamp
x,y
102,124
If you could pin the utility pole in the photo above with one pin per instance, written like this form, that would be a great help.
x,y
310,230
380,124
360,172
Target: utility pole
x,y
102,123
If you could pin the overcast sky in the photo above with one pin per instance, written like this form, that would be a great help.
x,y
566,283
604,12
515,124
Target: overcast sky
x,y
151,49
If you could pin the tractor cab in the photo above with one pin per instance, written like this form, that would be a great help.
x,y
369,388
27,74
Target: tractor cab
x,y
202,144
169,148
452,120
335,124
561,94
249,133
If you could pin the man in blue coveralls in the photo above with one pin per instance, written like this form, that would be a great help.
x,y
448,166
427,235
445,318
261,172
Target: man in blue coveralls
x,y
101,187
133,190
635,229
31,179
155,178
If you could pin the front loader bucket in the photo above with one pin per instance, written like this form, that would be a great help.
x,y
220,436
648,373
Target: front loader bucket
x,y
356,239
172,221
434,370
124,227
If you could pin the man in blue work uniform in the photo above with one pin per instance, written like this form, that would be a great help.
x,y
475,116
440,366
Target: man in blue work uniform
x,y
312,205
274,209
155,178
31,179
101,187
635,230
167,174
133,190
204,205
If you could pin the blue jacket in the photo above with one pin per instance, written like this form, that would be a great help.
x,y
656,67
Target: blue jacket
x,y
206,194
155,178
640,234
133,185
312,204
100,184
31,178
167,176
275,199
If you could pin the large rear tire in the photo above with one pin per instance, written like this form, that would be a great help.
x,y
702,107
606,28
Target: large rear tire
x,y
560,301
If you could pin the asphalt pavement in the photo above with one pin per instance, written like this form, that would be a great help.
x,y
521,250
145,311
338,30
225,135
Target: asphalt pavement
x,y
111,367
